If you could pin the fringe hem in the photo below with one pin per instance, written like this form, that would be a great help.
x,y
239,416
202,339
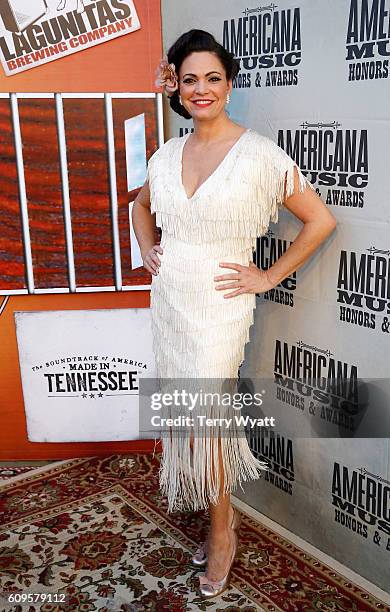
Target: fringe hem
x,y
192,480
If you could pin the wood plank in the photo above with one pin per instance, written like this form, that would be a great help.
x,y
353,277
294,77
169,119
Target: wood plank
x,y
43,188
125,109
12,271
89,191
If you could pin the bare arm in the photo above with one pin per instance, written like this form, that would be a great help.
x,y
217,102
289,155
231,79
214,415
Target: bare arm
x,y
319,223
144,225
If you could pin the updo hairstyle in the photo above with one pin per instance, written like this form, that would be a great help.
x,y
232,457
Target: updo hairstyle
x,y
190,42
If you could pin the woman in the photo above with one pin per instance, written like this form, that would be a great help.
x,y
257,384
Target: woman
x,y
213,192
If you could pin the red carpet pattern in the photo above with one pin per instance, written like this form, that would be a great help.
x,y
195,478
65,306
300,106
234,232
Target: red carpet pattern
x,y
10,471
96,530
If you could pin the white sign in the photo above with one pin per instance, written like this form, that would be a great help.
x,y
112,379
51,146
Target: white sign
x,y
80,372
34,32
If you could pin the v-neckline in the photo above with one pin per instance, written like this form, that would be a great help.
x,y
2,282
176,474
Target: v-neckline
x,y
181,149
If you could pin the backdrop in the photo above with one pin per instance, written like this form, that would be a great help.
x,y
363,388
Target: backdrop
x,y
315,78
79,117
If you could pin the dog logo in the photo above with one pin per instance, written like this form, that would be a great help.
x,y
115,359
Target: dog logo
x,y
79,9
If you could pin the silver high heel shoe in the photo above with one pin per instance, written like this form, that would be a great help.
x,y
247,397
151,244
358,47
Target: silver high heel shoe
x,y
200,557
211,588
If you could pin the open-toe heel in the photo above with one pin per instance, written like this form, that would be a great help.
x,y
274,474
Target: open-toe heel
x,y
200,557
211,588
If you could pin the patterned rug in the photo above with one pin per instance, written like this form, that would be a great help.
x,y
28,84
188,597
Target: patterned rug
x,y
9,471
96,532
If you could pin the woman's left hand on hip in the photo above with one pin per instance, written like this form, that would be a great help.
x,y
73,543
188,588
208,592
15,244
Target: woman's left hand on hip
x,y
247,279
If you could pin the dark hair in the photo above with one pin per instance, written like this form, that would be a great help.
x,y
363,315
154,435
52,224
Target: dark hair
x,y
190,42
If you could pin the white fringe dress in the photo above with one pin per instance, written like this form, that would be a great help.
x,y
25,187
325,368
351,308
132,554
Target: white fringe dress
x,y
197,333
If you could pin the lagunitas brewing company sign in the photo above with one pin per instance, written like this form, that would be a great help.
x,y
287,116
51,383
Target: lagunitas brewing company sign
x,y
332,157
34,32
266,40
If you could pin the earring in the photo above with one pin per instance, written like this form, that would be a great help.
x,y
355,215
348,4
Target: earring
x,y
180,101
227,99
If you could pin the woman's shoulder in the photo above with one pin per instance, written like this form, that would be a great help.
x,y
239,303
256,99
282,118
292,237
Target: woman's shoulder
x,y
165,149
264,144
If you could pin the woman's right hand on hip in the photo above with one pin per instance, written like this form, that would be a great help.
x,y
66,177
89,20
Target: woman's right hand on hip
x,y
151,260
